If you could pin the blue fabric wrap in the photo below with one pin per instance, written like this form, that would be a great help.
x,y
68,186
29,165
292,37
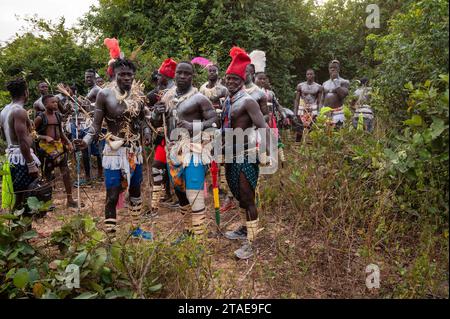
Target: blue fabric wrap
x,y
113,177
193,176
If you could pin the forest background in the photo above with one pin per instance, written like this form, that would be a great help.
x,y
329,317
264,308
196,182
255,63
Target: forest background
x,y
400,215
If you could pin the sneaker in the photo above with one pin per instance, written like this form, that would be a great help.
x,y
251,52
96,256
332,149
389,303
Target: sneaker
x,y
244,252
166,201
174,204
150,213
227,206
240,233
139,233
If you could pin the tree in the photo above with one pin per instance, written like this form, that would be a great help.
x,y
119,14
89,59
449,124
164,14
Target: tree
x,y
53,54
209,28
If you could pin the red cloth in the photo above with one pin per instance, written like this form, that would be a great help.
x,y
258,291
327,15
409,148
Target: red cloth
x,y
273,123
168,67
160,152
239,62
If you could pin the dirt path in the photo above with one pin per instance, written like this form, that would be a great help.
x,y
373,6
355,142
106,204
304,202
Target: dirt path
x,y
239,278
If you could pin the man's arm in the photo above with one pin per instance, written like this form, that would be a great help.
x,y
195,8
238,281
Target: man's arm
x,y
342,90
297,99
20,118
258,120
37,107
263,106
209,114
279,107
145,114
93,94
99,114
37,125
254,111
319,97
64,137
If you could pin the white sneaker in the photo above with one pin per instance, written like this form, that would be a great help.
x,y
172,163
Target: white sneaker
x,y
240,233
244,252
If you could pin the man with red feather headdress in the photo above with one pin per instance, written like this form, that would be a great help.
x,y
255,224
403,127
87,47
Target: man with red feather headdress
x,y
121,104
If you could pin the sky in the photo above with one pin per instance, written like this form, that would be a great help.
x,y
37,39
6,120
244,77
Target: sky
x,y
47,9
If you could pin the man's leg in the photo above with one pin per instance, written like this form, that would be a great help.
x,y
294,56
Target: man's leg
x,y
195,179
134,190
232,175
247,200
87,164
65,172
158,171
99,167
299,129
229,201
166,181
113,190
21,179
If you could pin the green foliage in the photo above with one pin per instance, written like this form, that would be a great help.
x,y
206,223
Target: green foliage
x,y
53,55
18,261
185,29
120,269
414,50
419,155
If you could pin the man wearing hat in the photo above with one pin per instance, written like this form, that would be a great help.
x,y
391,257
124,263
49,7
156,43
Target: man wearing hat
x,y
188,115
161,181
241,111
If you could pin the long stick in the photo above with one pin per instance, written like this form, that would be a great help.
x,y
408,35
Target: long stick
x,y
77,154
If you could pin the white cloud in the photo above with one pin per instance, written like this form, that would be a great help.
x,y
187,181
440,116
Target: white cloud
x,y
48,9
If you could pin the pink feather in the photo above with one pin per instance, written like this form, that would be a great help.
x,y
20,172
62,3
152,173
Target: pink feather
x,y
201,61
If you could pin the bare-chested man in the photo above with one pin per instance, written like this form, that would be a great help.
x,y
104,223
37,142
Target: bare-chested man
x,y
212,89
241,111
38,106
334,91
53,145
217,93
191,113
363,117
254,91
307,102
258,95
90,81
122,106
94,148
274,108
161,180
16,129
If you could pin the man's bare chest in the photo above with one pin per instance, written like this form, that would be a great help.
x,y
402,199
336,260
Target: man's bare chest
x,y
187,108
308,89
237,110
116,110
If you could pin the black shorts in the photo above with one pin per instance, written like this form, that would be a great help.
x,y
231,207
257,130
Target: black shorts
x,y
50,164
20,177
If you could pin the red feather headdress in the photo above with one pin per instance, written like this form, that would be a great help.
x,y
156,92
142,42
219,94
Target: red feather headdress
x,y
114,53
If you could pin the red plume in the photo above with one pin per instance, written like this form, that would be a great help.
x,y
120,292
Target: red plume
x,y
235,50
113,46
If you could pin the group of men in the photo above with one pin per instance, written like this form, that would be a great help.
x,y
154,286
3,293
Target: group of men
x,y
311,97
175,119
